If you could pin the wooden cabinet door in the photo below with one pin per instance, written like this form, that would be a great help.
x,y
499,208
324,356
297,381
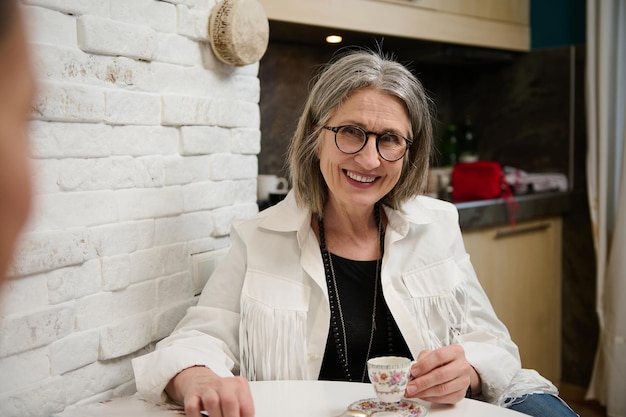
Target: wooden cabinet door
x,y
512,11
520,270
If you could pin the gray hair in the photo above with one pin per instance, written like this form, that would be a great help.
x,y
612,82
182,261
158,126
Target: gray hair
x,y
337,81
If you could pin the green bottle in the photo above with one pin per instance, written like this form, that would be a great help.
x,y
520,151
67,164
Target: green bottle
x,y
469,143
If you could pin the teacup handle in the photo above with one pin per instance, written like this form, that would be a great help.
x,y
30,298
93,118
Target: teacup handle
x,y
282,184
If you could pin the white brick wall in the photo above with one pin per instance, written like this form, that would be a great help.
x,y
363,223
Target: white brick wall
x,y
144,151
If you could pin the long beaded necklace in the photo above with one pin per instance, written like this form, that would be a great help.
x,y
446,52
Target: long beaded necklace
x,y
336,312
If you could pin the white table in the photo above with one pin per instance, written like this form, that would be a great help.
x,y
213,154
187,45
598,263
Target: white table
x,y
289,399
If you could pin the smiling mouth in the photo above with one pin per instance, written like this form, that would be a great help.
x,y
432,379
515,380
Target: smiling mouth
x,y
360,178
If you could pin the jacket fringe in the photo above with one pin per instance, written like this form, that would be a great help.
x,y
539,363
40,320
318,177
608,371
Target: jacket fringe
x,y
442,311
272,343
525,382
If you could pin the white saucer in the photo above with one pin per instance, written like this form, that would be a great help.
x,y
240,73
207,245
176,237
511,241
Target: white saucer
x,y
403,408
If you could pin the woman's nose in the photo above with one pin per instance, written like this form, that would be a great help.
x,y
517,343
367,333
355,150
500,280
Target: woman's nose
x,y
368,157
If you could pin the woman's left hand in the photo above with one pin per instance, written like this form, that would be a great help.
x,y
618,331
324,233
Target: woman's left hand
x,y
442,376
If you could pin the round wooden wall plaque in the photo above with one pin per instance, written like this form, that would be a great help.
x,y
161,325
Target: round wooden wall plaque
x,y
239,31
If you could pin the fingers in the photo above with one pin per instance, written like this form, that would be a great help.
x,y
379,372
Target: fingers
x,y
236,400
449,392
428,360
226,397
198,388
441,375
193,406
419,369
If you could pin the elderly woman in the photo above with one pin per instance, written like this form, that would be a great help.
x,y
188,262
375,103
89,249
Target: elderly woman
x,y
354,263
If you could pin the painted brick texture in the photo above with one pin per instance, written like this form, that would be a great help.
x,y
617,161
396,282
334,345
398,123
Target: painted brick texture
x,y
144,151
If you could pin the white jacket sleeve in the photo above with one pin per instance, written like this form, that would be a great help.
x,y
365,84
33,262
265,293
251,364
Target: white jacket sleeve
x,y
206,336
439,288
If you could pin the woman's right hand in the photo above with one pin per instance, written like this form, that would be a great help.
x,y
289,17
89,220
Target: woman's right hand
x,y
198,388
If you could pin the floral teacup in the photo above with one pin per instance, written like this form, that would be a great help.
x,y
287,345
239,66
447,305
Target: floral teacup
x,y
389,376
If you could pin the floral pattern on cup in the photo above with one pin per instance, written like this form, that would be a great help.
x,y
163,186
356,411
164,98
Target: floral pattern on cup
x,y
396,379
389,376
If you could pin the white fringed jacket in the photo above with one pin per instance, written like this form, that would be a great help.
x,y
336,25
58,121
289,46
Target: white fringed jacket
x,y
264,312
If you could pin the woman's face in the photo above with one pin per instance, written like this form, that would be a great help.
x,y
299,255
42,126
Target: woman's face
x,y
360,180
16,93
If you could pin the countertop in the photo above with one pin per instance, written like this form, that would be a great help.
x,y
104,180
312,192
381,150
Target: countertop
x,y
484,213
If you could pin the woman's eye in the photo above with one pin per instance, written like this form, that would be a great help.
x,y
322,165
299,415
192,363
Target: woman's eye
x,y
390,139
353,133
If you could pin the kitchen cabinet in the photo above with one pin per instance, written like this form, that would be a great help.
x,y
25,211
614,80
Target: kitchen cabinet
x,y
520,269
500,24
513,11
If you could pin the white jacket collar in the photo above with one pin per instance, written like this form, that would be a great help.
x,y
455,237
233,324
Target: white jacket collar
x,y
288,217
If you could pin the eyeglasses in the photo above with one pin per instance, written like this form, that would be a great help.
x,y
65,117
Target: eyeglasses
x,y
351,139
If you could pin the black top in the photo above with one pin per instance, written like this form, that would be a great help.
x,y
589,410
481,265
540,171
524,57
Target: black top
x,y
355,284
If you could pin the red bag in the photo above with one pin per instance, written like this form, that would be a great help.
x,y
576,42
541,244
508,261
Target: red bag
x,y
480,180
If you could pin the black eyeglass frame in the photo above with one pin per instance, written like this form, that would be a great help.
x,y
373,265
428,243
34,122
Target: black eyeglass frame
x,y
336,129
